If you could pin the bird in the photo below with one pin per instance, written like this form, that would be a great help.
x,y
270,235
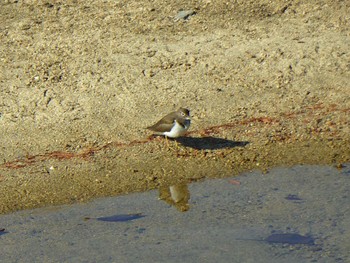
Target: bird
x,y
173,125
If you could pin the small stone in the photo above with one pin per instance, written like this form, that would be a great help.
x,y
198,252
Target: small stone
x,y
184,15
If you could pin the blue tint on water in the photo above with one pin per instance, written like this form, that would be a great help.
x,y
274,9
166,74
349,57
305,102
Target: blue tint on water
x,y
121,218
292,239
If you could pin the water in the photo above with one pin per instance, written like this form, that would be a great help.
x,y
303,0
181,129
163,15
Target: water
x,y
298,214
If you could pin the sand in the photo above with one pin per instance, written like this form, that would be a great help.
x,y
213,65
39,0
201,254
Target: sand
x,y
267,84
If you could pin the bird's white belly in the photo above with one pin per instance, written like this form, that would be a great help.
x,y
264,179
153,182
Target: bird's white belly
x,y
177,130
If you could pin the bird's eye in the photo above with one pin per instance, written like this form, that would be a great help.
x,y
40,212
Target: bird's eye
x,y
183,114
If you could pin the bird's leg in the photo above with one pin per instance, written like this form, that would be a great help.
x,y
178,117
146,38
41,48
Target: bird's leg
x,y
176,145
168,145
167,142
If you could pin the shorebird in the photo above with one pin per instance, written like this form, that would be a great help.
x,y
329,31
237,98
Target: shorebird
x,y
173,125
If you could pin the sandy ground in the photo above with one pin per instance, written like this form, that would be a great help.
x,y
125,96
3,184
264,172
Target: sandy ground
x,y
267,84
227,220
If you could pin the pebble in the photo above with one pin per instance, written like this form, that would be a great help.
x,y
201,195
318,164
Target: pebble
x,y
184,14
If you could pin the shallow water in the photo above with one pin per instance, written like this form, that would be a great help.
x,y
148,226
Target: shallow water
x,y
297,214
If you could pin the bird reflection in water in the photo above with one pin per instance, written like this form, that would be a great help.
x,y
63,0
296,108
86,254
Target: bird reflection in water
x,y
176,195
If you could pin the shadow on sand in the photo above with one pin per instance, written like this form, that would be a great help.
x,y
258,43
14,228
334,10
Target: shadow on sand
x,y
209,143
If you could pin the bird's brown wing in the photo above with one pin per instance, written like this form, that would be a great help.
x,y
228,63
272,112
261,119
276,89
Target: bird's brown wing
x,y
161,127
164,125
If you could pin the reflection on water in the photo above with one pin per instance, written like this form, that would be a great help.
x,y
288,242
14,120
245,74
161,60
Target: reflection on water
x,y
176,195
